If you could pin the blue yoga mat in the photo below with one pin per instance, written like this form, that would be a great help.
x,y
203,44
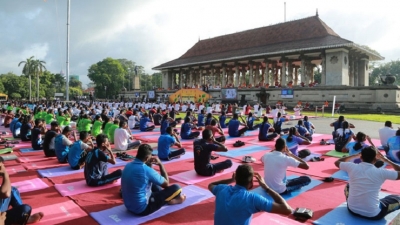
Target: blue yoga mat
x,y
340,215
243,151
25,150
292,194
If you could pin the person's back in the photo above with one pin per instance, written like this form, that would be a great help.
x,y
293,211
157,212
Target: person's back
x,y
60,148
49,118
48,143
96,129
164,125
386,132
186,130
26,131
75,152
107,128
157,119
164,143
222,119
143,123
233,127
121,137
394,148
95,165
86,124
202,155
111,133
36,138
17,129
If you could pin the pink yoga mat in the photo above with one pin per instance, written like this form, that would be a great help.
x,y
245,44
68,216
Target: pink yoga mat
x,y
81,187
35,158
30,185
15,169
43,164
23,145
60,213
191,177
270,218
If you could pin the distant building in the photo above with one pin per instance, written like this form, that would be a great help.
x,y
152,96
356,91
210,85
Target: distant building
x,y
76,77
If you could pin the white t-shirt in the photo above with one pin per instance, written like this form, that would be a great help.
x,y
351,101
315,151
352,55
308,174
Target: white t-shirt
x,y
385,133
218,108
275,165
274,112
365,182
256,108
131,121
184,108
121,137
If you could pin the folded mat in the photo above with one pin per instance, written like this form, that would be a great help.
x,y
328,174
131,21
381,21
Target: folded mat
x,y
30,185
6,150
340,215
80,187
120,215
26,150
191,177
334,153
314,183
9,157
66,170
59,213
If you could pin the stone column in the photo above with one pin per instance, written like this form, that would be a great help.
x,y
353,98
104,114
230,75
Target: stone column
x,y
355,72
283,73
323,73
173,79
296,76
256,74
303,70
243,75
351,71
237,73
290,71
251,74
223,78
363,76
180,78
262,77
266,74
231,79
312,66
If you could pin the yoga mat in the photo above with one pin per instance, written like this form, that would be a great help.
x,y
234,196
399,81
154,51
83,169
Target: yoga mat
x,y
187,155
30,185
272,219
9,157
80,187
242,151
191,177
15,169
25,150
246,139
36,158
120,215
59,213
334,153
340,215
43,164
292,194
6,150
66,170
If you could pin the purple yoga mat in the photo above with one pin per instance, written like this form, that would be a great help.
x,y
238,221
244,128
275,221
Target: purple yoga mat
x,y
120,215
66,170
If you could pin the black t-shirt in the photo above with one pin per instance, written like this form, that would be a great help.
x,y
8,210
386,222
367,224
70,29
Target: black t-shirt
x,y
157,119
96,165
25,131
36,138
50,134
202,154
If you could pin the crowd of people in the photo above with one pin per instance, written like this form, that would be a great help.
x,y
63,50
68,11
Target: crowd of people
x,y
81,135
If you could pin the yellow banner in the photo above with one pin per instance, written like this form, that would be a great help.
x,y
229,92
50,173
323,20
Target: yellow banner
x,y
189,95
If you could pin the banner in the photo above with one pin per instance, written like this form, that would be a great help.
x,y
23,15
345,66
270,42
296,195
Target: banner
x,y
189,95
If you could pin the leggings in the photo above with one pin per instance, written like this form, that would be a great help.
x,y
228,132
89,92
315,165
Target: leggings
x,y
269,137
296,183
159,197
211,169
192,135
175,154
105,179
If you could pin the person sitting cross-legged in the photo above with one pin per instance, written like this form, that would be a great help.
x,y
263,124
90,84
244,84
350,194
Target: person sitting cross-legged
x,y
233,127
167,140
95,170
122,139
11,202
215,127
365,181
276,163
236,204
145,191
49,137
62,144
202,155
186,130
266,127
78,151
145,122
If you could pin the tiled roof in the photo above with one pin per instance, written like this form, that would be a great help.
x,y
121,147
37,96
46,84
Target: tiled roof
x,y
308,33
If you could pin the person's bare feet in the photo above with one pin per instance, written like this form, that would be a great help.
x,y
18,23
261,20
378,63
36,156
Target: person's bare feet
x,y
81,166
35,217
177,200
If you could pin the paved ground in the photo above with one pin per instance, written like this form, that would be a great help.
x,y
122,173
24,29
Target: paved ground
x,y
322,126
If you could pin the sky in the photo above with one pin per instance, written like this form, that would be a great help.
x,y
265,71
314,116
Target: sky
x,y
151,32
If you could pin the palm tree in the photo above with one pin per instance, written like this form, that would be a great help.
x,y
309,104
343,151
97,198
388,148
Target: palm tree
x,y
27,70
38,66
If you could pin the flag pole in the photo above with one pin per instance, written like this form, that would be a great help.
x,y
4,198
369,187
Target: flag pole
x,y
67,69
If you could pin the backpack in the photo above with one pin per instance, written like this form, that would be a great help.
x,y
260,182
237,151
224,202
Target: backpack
x,y
340,142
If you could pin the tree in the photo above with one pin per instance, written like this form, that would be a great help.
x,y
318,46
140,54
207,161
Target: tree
x,y
38,67
317,75
129,68
15,84
27,70
392,68
73,82
15,95
108,77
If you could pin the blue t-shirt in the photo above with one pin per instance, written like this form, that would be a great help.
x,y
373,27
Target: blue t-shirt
x,y
208,121
302,130
200,120
250,122
352,151
95,165
143,123
164,125
337,125
263,132
164,142
222,121
13,122
17,127
235,205
60,149
294,144
233,128
394,148
307,125
74,153
186,130
136,181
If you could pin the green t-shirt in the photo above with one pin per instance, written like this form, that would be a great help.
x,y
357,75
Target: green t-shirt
x,y
43,115
49,118
10,108
85,125
96,129
60,120
107,128
111,132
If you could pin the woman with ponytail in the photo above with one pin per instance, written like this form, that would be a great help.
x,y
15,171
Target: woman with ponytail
x,y
355,147
294,139
343,136
303,131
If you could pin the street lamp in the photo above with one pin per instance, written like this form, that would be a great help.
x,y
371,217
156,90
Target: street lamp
x,y
105,89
